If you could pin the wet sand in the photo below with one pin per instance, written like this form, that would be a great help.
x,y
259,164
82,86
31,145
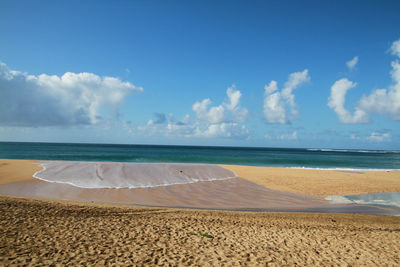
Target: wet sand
x,y
228,194
37,232
44,232
317,183
232,194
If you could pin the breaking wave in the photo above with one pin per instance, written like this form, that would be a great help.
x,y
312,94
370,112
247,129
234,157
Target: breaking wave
x,y
355,150
129,175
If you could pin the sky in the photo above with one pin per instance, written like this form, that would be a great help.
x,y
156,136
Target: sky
x,y
307,74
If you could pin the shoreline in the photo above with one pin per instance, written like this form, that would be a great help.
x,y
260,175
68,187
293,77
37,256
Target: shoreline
x,y
320,183
262,189
48,231
389,180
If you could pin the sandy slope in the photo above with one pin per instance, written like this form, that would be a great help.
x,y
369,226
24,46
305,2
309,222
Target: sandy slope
x,y
232,194
43,232
320,183
12,170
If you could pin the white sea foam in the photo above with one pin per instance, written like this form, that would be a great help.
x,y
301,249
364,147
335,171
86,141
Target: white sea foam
x,y
354,150
339,199
340,169
129,175
385,199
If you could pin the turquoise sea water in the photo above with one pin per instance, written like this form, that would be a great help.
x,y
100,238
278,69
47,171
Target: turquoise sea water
x,y
275,157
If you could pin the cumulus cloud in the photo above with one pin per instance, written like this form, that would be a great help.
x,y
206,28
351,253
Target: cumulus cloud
x,y
277,102
211,115
379,137
381,101
337,100
228,111
220,121
51,100
351,64
395,48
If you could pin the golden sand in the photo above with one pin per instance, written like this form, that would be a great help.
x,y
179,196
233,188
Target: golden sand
x,y
54,232
320,183
289,189
12,171
46,232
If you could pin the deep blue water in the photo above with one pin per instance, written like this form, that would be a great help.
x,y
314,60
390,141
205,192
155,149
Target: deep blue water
x,y
276,157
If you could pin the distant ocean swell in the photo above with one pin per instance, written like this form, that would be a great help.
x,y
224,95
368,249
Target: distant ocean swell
x,y
342,169
353,150
321,158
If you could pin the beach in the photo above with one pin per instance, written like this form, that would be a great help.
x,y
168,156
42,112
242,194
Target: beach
x,y
149,226
319,182
204,186
38,232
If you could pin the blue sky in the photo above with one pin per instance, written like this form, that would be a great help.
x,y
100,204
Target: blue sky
x,y
200,72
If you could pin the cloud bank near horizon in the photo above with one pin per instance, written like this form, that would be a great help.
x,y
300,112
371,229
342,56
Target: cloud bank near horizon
x,y
87,99
221,121
51,100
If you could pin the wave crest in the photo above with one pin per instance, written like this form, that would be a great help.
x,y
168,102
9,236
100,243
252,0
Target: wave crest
x,y
129,175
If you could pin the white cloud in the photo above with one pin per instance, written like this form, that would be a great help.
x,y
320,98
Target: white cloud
x,y
351,64
395,48
212,115
276,102
50,100
337,100
379,137
381,101
234,97
227,111
221,121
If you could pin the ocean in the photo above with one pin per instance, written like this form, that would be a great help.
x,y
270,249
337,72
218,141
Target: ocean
x,y
272,157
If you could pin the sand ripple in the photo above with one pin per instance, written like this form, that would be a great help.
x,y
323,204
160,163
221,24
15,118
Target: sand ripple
x,y
45,233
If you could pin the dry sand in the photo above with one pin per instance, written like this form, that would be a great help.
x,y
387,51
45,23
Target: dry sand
x,y
320,183
317,183
43,233
231,194
12,171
